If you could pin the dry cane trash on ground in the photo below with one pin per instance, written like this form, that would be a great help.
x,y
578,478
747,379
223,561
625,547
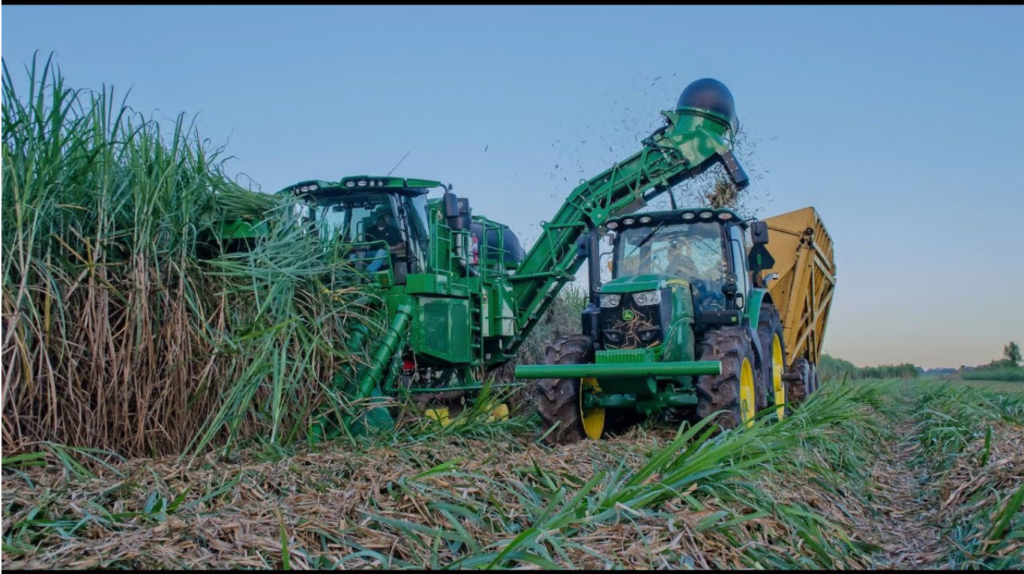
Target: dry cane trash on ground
x,y
460,501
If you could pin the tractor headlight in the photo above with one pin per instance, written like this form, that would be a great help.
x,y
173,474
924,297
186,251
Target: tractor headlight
x,y
648,335
647,298
610,300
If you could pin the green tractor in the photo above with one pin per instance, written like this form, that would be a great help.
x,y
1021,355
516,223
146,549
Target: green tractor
x,y
684,323
460,295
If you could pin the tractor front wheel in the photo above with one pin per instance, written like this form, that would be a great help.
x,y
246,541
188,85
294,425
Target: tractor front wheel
x,y
563,417
735,389
769,331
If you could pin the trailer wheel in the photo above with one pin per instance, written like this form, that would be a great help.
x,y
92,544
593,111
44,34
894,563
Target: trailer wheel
x,y
734,390
799,384
560,401
769,330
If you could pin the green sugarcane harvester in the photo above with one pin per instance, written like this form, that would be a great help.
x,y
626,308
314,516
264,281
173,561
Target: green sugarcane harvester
x,y
461,295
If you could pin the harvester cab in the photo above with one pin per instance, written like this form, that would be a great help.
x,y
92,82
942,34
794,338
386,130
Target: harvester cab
x,y
380,222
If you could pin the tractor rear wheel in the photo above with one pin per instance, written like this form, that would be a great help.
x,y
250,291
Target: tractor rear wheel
x,y
735,389
769,331
799,383
560,401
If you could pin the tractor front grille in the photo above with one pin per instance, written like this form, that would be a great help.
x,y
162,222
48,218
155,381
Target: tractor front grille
x,y
631,326
620,356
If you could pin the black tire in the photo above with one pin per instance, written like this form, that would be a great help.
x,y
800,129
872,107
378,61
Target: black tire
x,y
769,324
798,381
620,421
558,400
732,346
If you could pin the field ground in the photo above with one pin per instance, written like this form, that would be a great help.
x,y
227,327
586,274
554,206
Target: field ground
x,y
864,475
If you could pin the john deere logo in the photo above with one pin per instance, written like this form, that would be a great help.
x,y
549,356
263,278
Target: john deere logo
x,y
627,315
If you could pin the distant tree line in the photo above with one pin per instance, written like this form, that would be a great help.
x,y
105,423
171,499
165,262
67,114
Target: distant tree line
x,y
833,367
1006,368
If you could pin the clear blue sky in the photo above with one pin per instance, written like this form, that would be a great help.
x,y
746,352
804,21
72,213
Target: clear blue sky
x,y
904,126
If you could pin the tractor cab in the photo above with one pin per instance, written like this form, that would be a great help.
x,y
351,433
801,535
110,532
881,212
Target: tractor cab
x,y
381,222
699,254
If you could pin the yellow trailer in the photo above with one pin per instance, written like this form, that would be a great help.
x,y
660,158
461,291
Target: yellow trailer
x,y
801,283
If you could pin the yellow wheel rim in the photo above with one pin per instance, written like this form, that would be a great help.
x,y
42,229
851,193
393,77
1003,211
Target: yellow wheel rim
x,y
780,389
747,408
438,415
500,412
593,419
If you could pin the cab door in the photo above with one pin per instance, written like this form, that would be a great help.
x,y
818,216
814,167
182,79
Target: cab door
x,y
738,254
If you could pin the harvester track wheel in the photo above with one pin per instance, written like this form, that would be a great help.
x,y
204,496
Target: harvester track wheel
x,y
799,383
560,401
734,390
769,331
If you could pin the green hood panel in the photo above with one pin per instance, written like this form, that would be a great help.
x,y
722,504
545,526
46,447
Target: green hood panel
x,y
635,283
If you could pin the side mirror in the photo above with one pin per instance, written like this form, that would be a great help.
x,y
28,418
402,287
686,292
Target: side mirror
x,y
759,232
465,213
451,211
759,259
451,205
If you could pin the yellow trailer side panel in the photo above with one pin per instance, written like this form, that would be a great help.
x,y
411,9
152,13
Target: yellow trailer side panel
x,y
804,262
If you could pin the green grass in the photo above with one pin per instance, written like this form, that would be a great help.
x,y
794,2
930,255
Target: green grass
x,y
956,425
997,386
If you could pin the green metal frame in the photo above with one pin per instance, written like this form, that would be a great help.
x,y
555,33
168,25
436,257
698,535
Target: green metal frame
x,y
691,141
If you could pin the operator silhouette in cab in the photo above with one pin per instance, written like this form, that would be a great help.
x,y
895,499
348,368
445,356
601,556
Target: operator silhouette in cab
x,y
384,230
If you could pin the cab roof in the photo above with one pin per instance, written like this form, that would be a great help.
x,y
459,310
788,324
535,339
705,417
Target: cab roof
x,y
690,215
362,183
